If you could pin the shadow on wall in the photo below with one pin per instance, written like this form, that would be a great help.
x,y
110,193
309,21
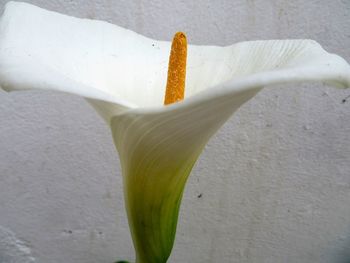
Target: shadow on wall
x,y
13,249
341,253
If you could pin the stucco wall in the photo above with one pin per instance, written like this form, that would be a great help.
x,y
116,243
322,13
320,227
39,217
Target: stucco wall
x,y
272,186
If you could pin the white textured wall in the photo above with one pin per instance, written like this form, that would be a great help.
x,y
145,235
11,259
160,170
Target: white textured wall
x,y
272,186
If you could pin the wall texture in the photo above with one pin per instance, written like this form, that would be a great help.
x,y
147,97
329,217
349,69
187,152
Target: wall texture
x,y
272,186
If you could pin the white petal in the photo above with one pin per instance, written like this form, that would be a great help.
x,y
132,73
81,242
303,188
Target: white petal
x,y
158,146
264,62
95,59
157,152
98,60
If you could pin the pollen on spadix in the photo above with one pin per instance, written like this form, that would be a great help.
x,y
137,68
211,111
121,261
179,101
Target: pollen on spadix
x,y
175,87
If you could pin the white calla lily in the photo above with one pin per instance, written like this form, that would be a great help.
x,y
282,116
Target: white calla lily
x,y
123,75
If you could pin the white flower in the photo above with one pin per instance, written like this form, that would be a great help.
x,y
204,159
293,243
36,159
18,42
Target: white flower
x,y
123,75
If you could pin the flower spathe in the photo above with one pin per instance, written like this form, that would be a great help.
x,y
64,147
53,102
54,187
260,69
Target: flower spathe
x,y
123,75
